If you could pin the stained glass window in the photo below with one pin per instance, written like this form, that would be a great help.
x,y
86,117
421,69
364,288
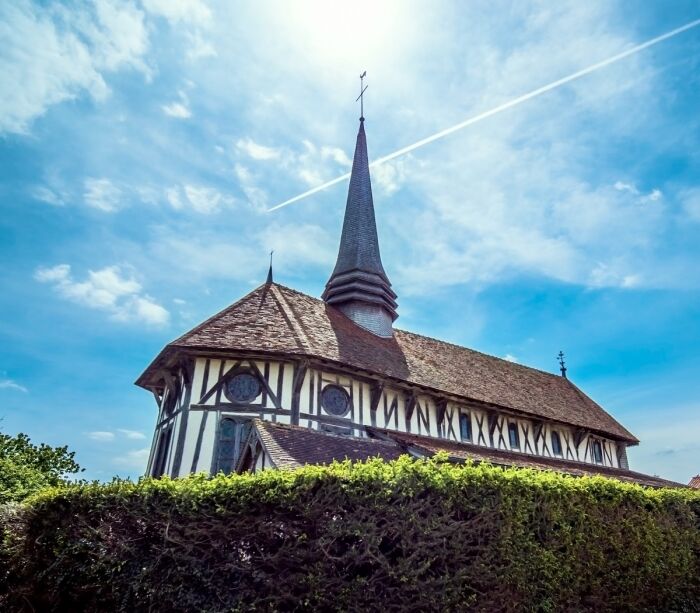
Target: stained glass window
x,y
232,437
243,387
335,400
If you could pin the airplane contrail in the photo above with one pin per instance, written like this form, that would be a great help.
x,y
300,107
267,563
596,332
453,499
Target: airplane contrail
x,y
502,107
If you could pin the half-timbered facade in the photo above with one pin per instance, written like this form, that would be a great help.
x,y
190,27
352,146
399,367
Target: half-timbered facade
x,y
334,378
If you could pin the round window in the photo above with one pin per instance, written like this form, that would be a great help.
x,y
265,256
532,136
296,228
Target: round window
x,y
335,400
242,387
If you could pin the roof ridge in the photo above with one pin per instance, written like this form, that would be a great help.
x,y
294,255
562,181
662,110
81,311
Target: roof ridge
x,y
438,340
293,323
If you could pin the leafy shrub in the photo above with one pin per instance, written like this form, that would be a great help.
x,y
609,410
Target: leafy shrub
x,y
400,536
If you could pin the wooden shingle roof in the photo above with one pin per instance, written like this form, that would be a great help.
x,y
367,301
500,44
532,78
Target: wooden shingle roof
x,y
294,446
274,319
290,447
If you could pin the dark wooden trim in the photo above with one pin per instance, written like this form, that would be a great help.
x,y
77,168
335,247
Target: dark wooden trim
x,y
182,432
410,404
200,439
300,370
266,385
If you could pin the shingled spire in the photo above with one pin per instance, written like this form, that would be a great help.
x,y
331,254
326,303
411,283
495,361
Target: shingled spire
x,y
359,286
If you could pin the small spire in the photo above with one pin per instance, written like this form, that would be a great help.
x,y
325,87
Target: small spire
x,y
562,364
269,272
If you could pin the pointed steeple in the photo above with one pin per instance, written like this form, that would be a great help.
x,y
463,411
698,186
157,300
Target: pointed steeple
x,y
359,286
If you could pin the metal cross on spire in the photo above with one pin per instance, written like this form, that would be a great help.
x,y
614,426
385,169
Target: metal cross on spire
x,y
363,89
562,364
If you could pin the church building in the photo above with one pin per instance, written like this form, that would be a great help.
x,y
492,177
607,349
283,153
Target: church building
x,y
280,379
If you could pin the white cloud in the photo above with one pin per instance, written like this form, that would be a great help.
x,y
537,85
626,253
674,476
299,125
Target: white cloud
x,y
49,196
100,435
199,47
256,196
390,176
132,434
179,110
9,384
337,155
107,290
54,53
257,151
177,11
510,358
203,200
206,199
135,459
102,194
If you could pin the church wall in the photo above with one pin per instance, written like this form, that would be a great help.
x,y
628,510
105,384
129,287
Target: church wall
x,y
195,418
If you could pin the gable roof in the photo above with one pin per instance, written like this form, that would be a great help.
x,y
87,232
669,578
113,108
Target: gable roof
x,y
293,446
274,319
290,447
695,482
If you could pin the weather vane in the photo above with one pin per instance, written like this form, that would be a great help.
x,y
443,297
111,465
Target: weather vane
x,y
361,96
562,364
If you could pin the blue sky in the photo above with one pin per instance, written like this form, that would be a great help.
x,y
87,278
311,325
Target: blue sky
x,y
142,142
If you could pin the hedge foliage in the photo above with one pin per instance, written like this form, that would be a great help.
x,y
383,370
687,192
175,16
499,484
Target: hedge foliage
x,y
401,536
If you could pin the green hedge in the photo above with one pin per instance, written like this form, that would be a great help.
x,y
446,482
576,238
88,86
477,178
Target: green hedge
x,y
401,536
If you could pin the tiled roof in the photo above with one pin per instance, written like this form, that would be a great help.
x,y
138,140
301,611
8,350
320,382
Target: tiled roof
x,y
466,451
695,482
293,446
276,319
290,447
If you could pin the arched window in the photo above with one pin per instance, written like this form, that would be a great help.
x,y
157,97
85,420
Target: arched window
x,y
556,443
514,435
465,427
232,437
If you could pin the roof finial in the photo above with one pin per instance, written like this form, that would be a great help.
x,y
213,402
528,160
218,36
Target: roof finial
x,y
562,364
361,96
269,272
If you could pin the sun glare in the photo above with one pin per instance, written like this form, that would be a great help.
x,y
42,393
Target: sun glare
x,y
348,34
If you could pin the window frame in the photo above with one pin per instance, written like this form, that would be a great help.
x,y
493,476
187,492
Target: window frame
x,y
465,418
242,429
597,451
555,436
513,433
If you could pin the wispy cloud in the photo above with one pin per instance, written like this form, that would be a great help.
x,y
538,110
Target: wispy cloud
x,y
107,290
102,194
49,196
201,199
100,435
9,384
510,358
179,109
257,151
135,459
56,53
132,434
180,11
